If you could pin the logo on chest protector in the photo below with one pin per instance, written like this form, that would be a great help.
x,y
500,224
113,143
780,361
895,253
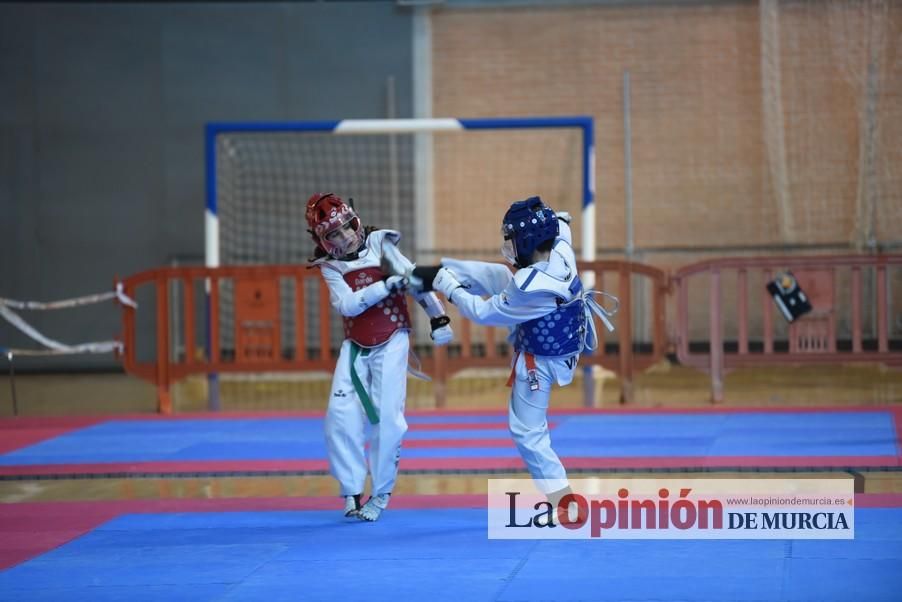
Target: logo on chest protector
x,y
361,280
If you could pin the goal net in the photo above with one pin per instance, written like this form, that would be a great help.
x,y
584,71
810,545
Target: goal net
x,y
831,129
831,122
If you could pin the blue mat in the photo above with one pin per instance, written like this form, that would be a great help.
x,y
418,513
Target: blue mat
x,y
580,435
443,555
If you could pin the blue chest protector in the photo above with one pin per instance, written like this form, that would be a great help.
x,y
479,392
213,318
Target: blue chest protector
x,y
560,333
570,328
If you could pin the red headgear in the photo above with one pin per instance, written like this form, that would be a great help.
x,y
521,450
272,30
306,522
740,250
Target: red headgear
x,y
326,213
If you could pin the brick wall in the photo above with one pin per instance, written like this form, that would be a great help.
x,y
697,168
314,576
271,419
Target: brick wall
x,y
703,160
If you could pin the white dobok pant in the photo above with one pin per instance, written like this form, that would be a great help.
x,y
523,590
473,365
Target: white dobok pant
x,y
383,373
528,419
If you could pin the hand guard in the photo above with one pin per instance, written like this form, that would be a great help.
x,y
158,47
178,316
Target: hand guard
x,y
446,282
564,216
441,330
395,283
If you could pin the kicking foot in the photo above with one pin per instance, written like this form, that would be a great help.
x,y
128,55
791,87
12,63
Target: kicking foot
x,y
374,507
352,505
555,496
572,510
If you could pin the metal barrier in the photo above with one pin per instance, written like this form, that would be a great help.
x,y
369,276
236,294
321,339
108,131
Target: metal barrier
x,y
811,339
258,332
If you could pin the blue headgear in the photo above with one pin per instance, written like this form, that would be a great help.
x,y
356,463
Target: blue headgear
x,y
527,224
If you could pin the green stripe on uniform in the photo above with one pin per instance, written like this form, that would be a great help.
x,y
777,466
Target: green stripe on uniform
x,y
368,406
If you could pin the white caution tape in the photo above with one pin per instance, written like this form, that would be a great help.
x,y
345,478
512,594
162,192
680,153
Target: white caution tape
x,y
56,347
53,347
118,294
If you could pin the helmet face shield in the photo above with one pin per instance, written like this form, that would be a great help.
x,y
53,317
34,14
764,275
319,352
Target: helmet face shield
x,y
335,226
526,226
507,247
344,235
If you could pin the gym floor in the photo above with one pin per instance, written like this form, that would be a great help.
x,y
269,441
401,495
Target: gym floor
x,y
102,499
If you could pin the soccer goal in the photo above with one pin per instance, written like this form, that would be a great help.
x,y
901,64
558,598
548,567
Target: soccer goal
x,y
443,183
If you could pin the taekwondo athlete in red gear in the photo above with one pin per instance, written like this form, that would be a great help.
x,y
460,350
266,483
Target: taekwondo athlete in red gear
x,y
369,386
549,316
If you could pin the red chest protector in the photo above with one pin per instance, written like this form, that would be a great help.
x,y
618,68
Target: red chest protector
x,y
376,324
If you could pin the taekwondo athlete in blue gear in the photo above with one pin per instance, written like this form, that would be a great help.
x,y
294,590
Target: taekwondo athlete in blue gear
x,y
549,316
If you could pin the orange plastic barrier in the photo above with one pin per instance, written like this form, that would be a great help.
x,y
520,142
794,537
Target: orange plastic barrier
x,y
259,297
811,339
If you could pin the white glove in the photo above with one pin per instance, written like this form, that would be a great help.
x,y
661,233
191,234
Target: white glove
x,y
564,216
441,330
446,282
395,283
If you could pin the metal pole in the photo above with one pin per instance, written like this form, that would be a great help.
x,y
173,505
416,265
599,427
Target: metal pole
x,y
211,260
640,298
12,382
423,152
588,251
390,102
628,166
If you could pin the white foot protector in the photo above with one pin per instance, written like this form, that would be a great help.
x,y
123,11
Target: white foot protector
x,y
373,508
352,506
